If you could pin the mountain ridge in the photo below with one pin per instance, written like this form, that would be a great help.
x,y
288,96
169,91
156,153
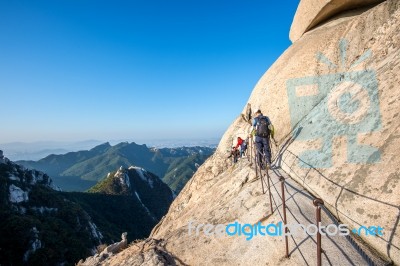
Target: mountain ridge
x,y
80,170
38,220
43,223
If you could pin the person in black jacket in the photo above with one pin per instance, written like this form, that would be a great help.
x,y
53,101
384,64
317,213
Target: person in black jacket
x,y
262,129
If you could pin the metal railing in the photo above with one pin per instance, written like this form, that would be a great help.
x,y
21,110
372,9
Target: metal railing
x,y
317,202
282,179
259,171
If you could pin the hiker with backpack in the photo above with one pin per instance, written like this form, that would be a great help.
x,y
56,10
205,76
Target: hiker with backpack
x,y
263,130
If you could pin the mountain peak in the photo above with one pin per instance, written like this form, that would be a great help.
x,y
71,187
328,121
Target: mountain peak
x,y
101,148
145,187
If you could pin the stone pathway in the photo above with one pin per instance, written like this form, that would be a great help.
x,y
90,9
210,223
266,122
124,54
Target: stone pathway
x,y
337,249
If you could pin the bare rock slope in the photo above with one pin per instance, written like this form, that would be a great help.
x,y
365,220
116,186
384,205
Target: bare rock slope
x,y
333,97
310,13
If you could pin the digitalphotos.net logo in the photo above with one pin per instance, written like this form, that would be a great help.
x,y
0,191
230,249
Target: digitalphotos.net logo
x,y
249,231
345,103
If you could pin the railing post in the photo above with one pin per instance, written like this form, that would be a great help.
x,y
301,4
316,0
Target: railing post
x,y
317,203
251,150
261,175
282,179
248,151
269,192
255,161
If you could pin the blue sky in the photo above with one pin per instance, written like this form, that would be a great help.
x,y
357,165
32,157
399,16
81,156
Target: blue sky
x,y
73,70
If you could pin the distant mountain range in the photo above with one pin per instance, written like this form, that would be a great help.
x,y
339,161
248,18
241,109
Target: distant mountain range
x,y
43,226
17,151
37,150
78,171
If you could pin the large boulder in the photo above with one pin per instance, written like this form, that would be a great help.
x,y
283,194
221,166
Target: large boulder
x,y
310,13
334,98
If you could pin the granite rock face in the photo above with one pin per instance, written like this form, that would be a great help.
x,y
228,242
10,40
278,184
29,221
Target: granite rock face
x,y
334,99
147,253
311,13
109,251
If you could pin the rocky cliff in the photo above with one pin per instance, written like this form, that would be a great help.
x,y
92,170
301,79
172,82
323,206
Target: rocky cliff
x,y
78,171
333,98
150,194
41,225
38,224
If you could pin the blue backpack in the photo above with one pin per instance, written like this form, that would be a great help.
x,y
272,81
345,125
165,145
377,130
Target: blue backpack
x,y
262,127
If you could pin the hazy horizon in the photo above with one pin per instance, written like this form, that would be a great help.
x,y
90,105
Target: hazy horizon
x,y
111,141
73,70
37,150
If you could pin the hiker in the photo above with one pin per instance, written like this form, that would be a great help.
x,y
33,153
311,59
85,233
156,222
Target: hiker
x,y
242,144
243,147
235,153
262,130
